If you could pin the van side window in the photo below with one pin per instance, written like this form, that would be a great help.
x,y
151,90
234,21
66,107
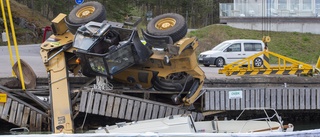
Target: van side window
x,y
234,48
252,47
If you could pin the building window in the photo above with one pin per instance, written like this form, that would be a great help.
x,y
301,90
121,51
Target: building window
x,y
282,4
294,5
306,4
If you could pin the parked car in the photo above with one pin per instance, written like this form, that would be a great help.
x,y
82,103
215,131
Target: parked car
x,y
230,51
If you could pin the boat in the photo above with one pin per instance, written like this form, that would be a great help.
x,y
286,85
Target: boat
x,y
185,124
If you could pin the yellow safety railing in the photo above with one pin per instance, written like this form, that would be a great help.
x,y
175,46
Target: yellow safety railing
x,y
285,66
14,40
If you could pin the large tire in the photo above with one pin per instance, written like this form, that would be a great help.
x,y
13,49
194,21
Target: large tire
x,y
84,13
169,24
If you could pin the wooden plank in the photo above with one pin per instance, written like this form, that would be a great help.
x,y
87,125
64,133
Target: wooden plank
x,y
142,111
181,111
318,100
116,106
296,99
109,106
88,108
313,98
222,100
135,111
162,111
175,111
290,99
285,99
13,111
308,98
32,122
96,103
39,122
149,111
5,112
257,98
217,100
1,107
129,110
247,102
267,97
199,117
122,109
207,100
83,101
302,98
243,100
252,98
262,97
168,111
103,104
228,101
25,117
273,98
279,99
194,115
212,100
19,114
155,111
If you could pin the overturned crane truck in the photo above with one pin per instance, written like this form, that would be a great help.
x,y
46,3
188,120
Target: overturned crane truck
x,y
85,42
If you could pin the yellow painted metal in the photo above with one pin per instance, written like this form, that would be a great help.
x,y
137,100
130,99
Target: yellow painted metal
x,y
285,66
185,61
3,97
85,11
7,34
266,39
165,23
14,41
60,95
59,25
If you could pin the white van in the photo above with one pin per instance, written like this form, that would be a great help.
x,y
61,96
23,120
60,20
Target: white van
x,y
232,50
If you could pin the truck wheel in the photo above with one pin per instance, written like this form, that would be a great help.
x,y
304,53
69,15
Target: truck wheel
x,y
257,62
84,13
169,24
219,62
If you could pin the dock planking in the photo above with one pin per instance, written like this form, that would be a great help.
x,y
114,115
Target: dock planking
x,y
127,107
22,114
280,98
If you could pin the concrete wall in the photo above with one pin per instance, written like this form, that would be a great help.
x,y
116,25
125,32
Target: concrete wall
x,y
286,24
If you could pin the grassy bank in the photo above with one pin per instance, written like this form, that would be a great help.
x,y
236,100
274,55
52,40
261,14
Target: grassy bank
x,y
303,47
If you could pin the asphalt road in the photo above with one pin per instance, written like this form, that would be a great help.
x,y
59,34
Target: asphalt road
x,y
31,55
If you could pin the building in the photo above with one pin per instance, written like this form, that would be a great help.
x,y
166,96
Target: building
x,y
281,15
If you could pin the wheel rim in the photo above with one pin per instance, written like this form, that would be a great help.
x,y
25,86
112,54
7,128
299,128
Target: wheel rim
x,y
85,12
220,62
258,62
165,23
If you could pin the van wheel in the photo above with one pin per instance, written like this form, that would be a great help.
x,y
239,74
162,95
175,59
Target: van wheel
x,y
257,62
219,62
206,65
169,24
84,13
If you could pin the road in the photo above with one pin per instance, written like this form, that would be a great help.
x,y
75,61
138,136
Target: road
x,y
31,55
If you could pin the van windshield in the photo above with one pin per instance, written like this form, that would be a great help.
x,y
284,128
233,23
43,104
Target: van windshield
x,y
221,46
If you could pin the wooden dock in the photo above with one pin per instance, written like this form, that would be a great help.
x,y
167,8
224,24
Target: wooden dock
x,y
22,114
128,107
279,98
